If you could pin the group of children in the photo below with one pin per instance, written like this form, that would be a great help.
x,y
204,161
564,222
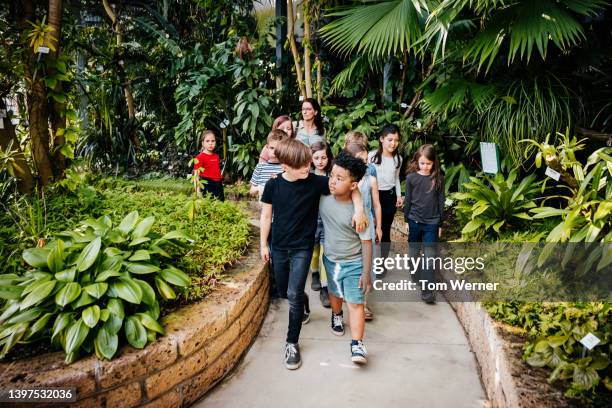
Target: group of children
x,y
328,215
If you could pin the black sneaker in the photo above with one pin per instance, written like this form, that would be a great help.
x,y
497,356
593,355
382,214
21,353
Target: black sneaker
x,y
337,325
359,354
324,296
293,360
429,297
315,284
306,317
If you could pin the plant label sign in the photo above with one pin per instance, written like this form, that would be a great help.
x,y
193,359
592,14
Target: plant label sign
x,y
489,154
589,341
2,113
553,174
43,50
1,123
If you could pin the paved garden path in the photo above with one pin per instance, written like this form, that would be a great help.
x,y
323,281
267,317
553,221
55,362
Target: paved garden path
x,y
418,357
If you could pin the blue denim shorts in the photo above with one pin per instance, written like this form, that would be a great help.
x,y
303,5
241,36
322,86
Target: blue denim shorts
x,y
343,280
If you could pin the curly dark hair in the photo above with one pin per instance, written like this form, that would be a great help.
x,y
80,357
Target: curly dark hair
x,y
356,167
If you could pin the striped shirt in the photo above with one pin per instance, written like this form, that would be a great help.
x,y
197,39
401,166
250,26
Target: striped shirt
x,y
264,171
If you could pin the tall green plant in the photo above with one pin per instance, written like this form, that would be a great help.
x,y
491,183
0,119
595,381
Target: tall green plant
x,y
91,285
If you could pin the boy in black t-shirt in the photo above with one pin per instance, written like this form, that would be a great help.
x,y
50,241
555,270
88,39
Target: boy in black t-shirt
x,y
293,198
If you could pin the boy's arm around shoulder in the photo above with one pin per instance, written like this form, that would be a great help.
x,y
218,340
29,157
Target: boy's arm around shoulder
x,y
365,281
360,220
265,222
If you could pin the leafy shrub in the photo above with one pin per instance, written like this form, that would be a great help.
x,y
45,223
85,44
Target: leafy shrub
x,y
89,283
497,202
555,330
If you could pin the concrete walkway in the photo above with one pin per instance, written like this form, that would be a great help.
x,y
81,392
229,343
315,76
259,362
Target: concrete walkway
x,y
418,357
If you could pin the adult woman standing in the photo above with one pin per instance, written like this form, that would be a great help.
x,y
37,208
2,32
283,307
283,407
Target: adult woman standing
x,y
310,129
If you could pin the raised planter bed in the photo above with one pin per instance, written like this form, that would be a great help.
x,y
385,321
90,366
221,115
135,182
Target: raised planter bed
x,y
203,342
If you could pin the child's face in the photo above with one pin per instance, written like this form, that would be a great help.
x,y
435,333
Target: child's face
x,y
340,181
286,127
363,156
209,142
300,173
390,142
425,165
320,159
271,150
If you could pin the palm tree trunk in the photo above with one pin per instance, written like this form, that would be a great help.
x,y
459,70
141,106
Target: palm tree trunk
x,y
293,46
307,46
57,109
417,96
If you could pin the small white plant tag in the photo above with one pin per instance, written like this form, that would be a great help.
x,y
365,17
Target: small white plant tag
x,y
589,341
1,123
43,50
553,174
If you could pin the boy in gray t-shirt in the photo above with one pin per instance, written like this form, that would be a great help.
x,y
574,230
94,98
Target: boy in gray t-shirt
x,y
348,254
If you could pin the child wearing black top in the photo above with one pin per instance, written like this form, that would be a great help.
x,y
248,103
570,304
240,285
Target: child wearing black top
x,y
293,199
424,206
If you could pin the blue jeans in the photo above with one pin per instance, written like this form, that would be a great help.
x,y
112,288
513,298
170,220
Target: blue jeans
x,y
290,272
425,236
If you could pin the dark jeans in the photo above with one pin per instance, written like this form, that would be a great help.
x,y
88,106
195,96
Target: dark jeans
x,y
215,188
290,272
388,199
423,236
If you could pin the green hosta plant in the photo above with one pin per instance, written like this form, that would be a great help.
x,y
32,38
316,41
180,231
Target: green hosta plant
x,y
92,286
496,203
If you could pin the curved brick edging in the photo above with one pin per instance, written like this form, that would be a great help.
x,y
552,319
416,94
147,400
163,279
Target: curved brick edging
x,y
203,342
502,370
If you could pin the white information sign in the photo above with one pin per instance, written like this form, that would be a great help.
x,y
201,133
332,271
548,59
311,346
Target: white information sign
x,y
589,341
1,123
43,50
490,157
553,174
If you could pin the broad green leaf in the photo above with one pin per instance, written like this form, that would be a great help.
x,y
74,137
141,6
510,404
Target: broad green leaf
x,y
143,227
139,241
129,222
55,259
89,254
106,343
10,292
38,294
471,226
25,316
175,277
107,274
113,324
61,322
91,315
104,314
141,268
75,336
140,255
150,323
177,235
164,289
67,275
36,257
148,294
128,290
135,332
83,300
96,289
39,325
68,294
116,307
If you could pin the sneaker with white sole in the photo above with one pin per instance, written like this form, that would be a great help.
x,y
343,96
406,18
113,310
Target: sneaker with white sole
x,y
359,353
292,356
337,325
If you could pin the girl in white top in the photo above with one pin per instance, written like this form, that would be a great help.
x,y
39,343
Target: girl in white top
x,y
388,163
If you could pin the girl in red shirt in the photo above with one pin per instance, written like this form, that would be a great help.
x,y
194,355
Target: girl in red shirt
x,y
207,166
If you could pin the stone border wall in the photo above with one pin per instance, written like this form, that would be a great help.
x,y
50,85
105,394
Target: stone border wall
x,y
203,342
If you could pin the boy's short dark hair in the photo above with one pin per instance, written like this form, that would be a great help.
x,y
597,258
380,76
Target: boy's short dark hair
x,y
276,135
356,167
293,153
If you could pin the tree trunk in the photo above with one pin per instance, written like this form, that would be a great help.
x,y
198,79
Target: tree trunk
x,y
23,174
417,97
404,76
293,46
57,109
307,46
319,77
127,90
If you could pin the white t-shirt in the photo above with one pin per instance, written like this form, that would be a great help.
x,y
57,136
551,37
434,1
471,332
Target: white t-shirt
x,y
387,172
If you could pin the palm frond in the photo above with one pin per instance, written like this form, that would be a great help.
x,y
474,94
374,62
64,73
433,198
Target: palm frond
x,y
377,29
